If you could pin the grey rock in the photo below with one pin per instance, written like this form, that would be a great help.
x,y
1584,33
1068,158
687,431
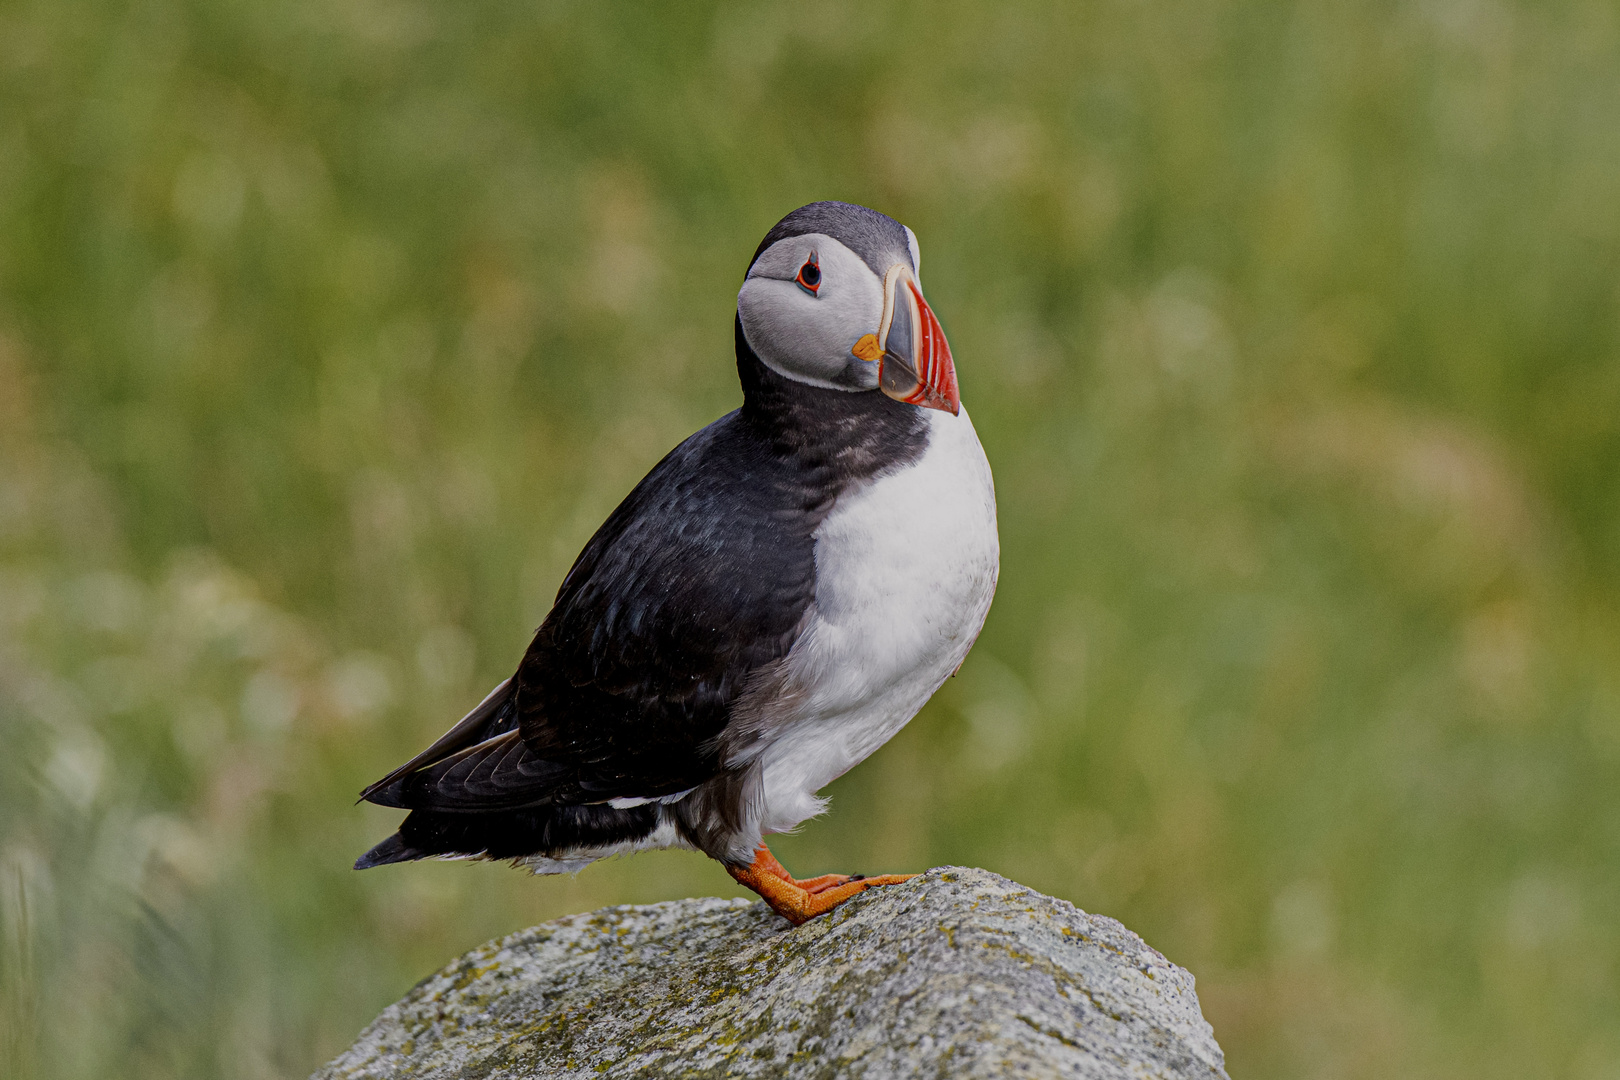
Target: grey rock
x,y
957,973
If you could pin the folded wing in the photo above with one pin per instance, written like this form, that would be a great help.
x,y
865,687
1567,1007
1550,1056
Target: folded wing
x,y
699,580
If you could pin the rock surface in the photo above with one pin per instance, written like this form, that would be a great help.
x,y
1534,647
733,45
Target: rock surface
x,y
957,973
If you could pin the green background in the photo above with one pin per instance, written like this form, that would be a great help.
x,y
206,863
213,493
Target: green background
x,y
330,329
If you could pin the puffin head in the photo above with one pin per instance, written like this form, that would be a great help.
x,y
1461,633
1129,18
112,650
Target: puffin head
x,y
832,299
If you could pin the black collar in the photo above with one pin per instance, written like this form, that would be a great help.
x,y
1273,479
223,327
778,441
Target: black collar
x,y
856,434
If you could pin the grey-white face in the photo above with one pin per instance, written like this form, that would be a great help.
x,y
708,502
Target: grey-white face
x,y
806,304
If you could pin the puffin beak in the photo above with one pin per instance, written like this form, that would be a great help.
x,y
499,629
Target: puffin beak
x,y
916,365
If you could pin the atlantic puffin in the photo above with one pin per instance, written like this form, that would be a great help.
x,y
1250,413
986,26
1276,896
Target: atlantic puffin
x,y
767,607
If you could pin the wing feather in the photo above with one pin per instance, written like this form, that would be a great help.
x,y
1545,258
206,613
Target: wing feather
x,y
467,731
697,581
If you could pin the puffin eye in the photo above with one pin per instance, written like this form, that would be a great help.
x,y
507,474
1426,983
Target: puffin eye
x,y
809,278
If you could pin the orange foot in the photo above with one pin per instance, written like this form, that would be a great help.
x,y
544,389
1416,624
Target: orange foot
x,y
800,901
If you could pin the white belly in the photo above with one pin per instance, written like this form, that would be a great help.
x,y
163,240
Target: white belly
x,y
905,569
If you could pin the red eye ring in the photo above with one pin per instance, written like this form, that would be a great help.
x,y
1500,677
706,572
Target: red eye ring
x,y
809,278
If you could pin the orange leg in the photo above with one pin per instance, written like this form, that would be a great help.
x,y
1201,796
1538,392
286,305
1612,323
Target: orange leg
x,y
800,901
766,862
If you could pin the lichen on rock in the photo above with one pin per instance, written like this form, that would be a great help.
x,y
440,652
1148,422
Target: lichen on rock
x,y
956,973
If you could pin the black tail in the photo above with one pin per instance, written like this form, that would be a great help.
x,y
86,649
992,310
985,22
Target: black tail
x,y
390,850
510,835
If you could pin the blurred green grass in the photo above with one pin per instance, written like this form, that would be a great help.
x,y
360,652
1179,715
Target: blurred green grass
x,y
329,332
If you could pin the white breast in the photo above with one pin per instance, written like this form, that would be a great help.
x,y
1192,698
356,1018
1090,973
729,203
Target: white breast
x,y
905,569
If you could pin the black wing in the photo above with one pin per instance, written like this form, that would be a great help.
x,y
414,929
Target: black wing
x,y
699,579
